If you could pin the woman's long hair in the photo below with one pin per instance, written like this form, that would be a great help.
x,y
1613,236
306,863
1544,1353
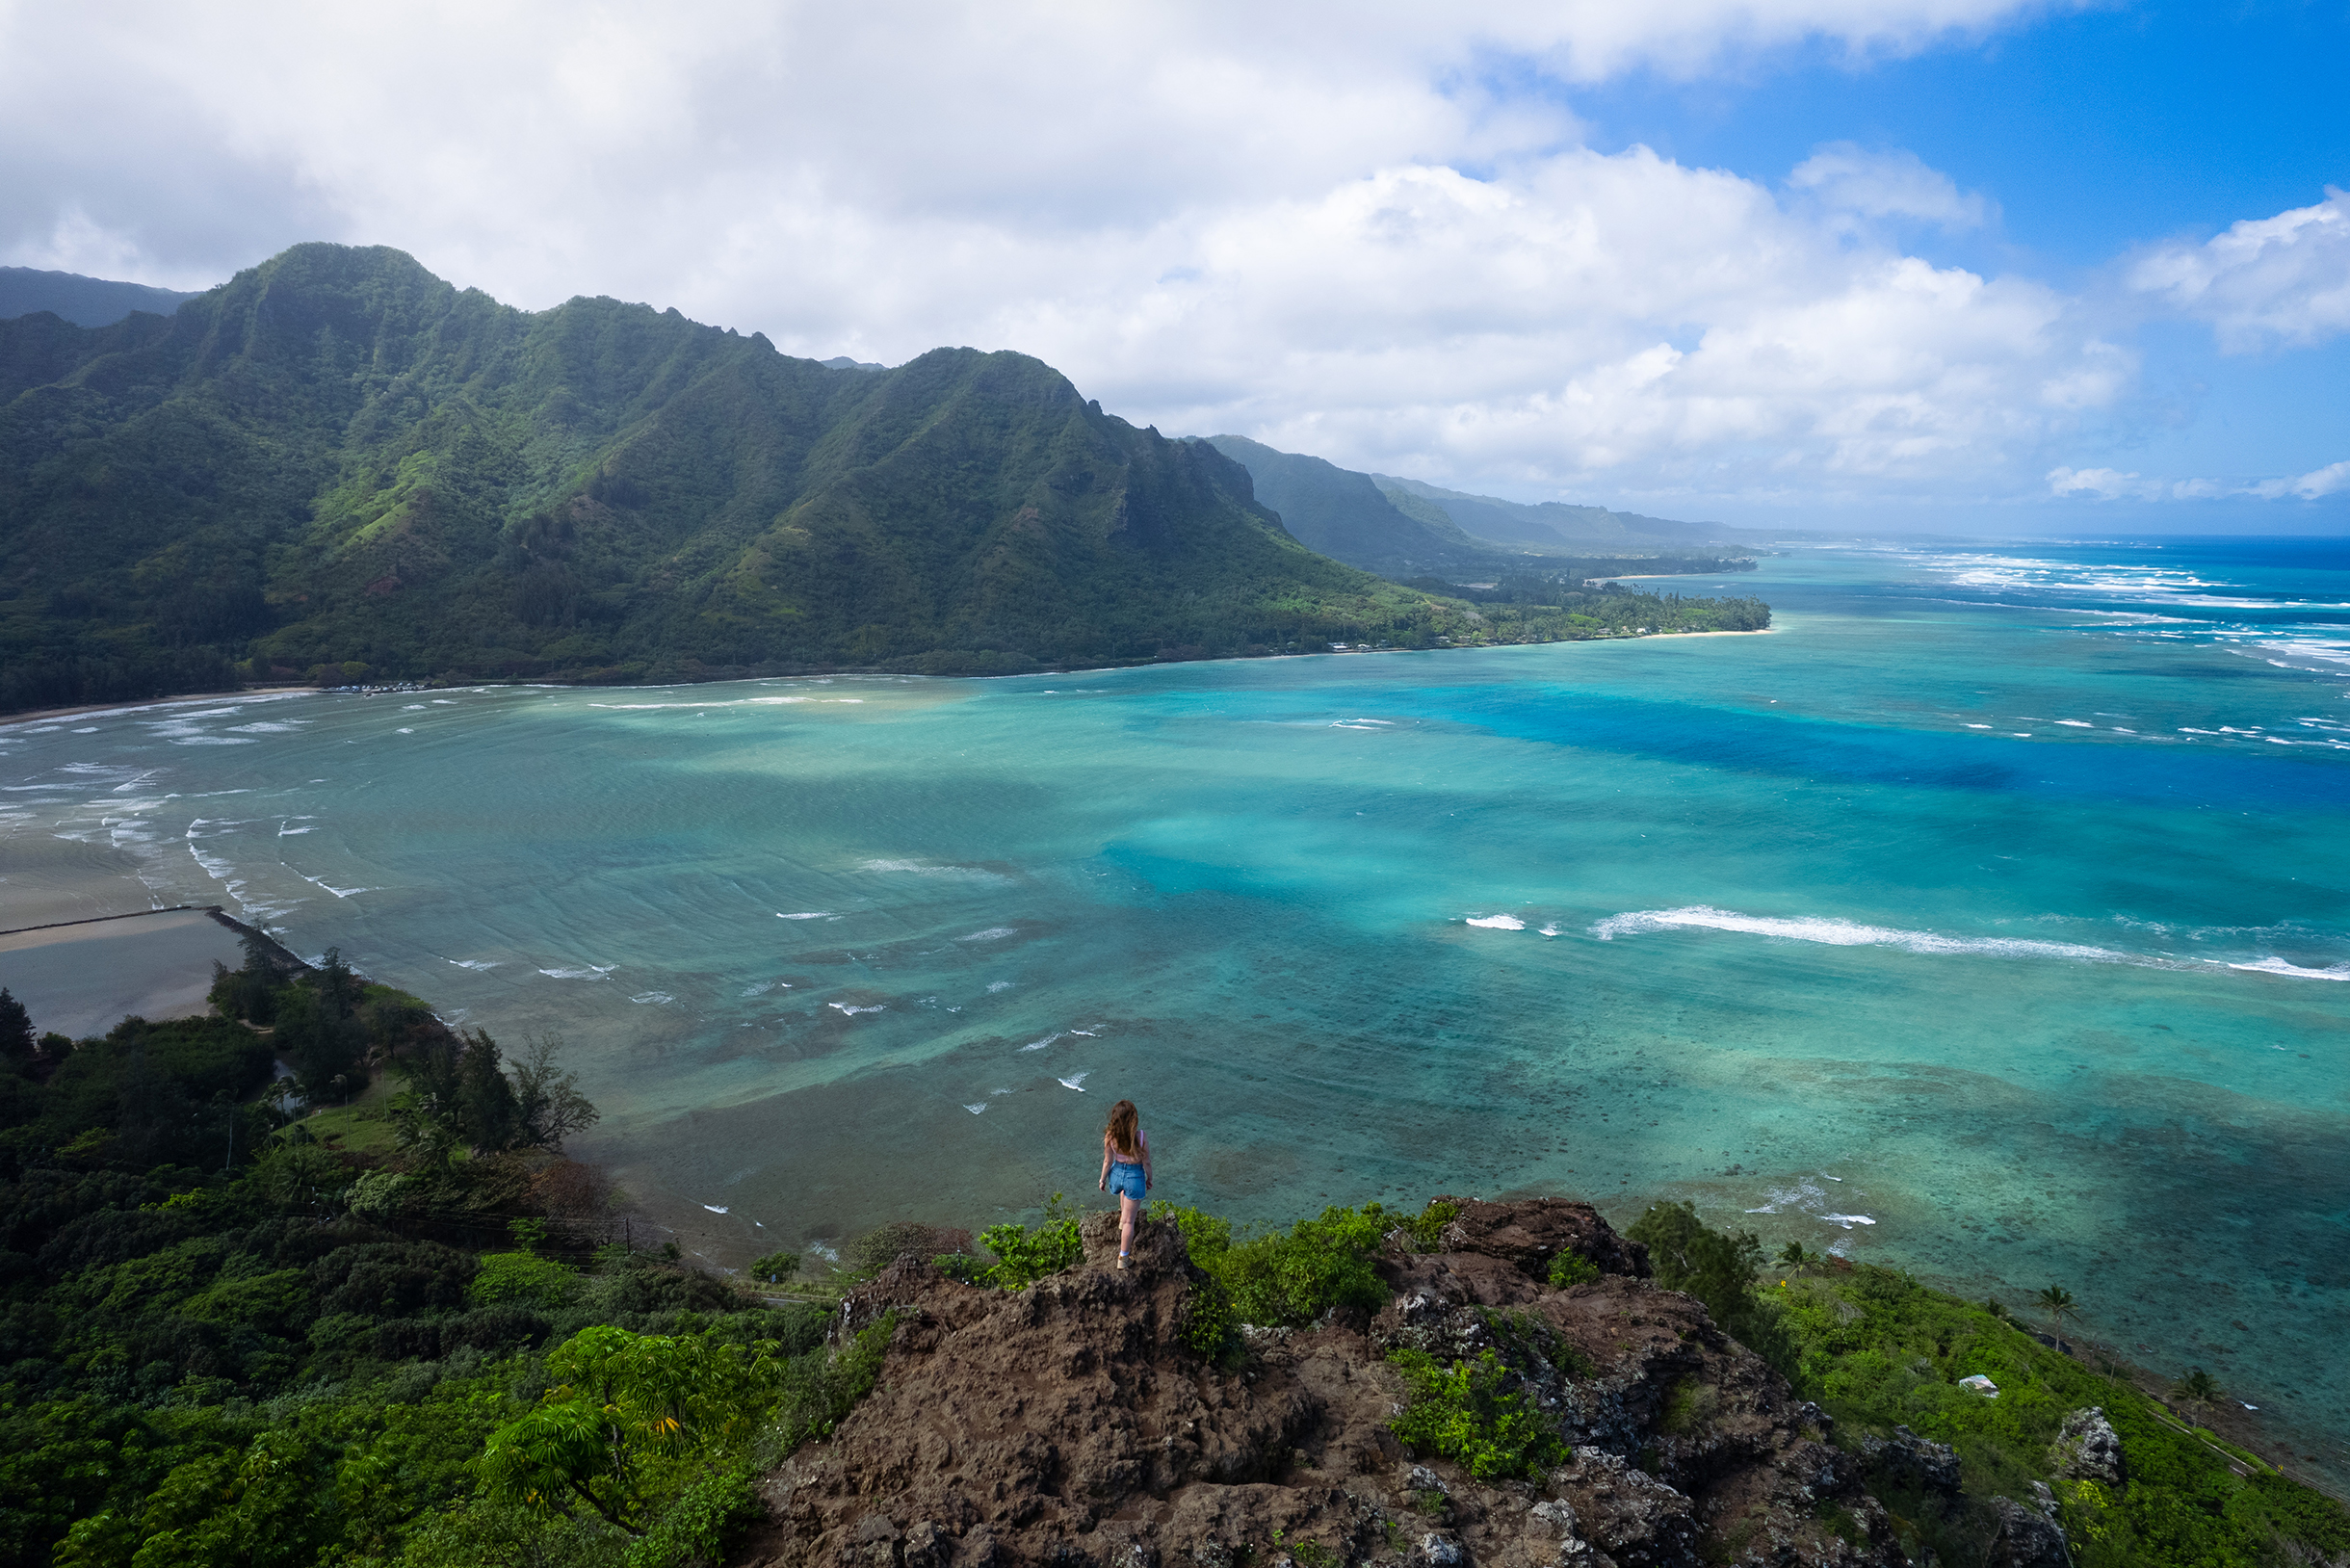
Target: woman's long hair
x,y
1123,1134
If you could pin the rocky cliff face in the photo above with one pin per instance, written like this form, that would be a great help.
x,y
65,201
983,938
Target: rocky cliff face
x,y
1071,1424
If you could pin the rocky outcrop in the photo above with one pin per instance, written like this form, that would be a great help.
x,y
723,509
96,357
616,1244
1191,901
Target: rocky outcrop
x,y
2026,1539
1531,1235
2087,1449
1071,1422
1910,1462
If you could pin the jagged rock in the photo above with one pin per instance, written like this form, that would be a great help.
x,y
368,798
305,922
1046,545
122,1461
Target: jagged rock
x,y
1070,1423
2088,1447
1529,1236
2045,1501
1905,1459
2026,1538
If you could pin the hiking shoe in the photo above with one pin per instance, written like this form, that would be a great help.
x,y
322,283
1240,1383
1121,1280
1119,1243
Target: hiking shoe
x,y
1121,1260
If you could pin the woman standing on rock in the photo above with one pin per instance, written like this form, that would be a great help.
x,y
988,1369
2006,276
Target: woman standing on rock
x,y
1126,1169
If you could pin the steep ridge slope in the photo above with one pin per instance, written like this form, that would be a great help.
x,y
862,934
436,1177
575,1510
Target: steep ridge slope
x,y
1343,515
84,301
1071,1424
1550,523
338,463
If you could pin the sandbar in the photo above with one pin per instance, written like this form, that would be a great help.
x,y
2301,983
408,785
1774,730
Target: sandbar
x,y
83,979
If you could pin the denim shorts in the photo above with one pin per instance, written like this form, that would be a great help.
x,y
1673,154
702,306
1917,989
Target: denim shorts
x,y
1126,1181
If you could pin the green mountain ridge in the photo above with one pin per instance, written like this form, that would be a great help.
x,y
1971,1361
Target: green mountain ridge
x,y
337,466
1548,525
84,301
1405,528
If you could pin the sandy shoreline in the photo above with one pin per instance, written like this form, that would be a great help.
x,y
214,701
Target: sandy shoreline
x,y
41,716
83,977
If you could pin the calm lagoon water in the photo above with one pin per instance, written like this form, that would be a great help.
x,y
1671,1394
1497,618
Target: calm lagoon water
x,y
1989,919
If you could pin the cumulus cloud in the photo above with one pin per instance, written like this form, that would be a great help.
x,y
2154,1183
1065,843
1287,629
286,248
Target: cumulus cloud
x,y
1324,226
2107,484
2265,281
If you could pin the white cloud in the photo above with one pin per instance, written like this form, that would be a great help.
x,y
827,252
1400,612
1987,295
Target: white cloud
x,y
2268,281
1321,225
2331,479
1848,178
2107,484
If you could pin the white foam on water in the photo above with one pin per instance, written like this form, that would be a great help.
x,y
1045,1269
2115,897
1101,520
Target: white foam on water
x,y
760,990
338,892
1846,933
976,1109
1498,923
2279,966
993,986
1088,1034
1978,726
1074,1080
586,972
404,732
993,934
476,963
2076,723
932,868
1847,1220
1551,930
1038,1045
805,914
714,1208
658,999
1777,1198
217,740
292,832
845,1008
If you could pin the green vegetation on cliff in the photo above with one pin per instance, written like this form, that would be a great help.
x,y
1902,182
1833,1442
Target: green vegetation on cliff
x,y
429,1351
338,467
225,1338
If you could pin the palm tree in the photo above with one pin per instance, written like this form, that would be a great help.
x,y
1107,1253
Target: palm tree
x,y
2196,1389
2057,1303
1793,1256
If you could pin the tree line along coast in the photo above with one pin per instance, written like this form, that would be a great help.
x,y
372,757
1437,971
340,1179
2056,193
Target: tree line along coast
x,y
336,468
383,1319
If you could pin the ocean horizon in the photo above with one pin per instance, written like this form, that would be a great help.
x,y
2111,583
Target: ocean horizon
x,y
1987,920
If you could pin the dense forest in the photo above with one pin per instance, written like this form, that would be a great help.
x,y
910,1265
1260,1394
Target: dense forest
x,y
412,1331
337,468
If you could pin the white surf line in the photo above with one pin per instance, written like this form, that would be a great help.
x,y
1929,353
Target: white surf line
x,y
1846,934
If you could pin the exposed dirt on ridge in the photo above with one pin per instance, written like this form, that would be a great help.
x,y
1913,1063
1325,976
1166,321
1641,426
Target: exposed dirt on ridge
x,y
1069,1423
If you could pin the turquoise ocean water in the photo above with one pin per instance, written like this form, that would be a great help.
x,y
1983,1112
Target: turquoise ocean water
x,y
1988,919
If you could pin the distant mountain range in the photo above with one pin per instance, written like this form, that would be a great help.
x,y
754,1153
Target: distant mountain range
x,y
1402,527
84,301
337,466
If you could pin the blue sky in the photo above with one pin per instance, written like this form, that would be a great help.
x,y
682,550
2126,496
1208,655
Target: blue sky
x,y
2096,132
1920,265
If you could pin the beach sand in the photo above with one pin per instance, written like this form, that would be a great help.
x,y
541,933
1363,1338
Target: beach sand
x,y
39,716
84,978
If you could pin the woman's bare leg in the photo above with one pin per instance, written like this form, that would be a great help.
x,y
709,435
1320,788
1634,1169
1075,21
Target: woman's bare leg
x,y
1128,1210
